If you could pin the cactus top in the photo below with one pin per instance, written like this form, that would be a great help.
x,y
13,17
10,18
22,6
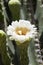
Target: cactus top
x,y
21,31
2,33
14,2
2,36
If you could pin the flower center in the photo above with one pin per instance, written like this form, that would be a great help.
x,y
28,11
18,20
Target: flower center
x,y
22,31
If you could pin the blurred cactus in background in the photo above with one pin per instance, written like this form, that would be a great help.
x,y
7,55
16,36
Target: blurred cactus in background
x,y
14,6
1,17
5,59
20,9
39,17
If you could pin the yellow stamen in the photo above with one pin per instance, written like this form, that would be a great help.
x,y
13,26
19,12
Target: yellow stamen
x,y
22,31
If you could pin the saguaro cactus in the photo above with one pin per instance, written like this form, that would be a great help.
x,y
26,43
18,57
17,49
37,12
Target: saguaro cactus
x,y
14,6
3,53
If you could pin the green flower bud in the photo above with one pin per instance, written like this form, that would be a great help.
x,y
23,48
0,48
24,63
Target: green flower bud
x,y
14,6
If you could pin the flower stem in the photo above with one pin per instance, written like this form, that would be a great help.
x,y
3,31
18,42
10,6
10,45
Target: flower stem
x,y
24,60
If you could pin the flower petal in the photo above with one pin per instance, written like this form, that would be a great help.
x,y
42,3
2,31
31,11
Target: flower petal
x,y
24,24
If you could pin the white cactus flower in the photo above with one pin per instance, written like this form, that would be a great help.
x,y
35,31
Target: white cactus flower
x,y
21,31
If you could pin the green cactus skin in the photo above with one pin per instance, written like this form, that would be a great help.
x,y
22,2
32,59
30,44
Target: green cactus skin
x,y
1,18
0,6
14,6
3,52
1,21
23,48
